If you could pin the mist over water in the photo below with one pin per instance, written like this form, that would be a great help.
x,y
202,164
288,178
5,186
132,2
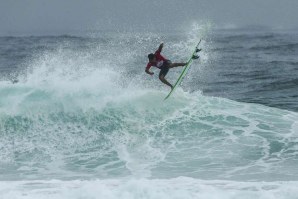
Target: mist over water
x,y
85,121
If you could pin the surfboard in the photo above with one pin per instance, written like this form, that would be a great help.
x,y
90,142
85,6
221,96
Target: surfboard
x,y
184,71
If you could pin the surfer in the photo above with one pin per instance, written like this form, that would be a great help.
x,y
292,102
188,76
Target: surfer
x,y
160,62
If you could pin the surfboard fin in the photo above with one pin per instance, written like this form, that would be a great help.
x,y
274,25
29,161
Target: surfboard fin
x,y
195,57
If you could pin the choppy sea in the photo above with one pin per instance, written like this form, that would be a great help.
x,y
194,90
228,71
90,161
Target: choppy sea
x,y
80,119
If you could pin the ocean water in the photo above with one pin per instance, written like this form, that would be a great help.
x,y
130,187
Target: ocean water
x,y
79,118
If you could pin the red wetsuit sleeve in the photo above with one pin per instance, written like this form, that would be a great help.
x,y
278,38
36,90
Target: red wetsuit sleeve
x,y
148,66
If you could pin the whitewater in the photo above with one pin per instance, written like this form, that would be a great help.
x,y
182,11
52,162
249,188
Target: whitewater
x,y
85,121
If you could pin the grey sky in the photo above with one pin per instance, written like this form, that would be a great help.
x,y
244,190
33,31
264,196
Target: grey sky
x,y
65,16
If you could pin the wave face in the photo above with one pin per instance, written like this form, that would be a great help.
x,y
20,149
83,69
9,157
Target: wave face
x,y
92,127
84,113
135,133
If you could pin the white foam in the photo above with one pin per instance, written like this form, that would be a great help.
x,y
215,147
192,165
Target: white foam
x,y
186,188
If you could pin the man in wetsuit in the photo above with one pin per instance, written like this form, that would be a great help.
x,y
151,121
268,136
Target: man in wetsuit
x,y
160,62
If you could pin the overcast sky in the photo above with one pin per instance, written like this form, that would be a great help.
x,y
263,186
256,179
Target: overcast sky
x,y
66,16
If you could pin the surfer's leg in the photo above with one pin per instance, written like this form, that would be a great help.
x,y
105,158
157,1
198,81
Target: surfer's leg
x,y
172,65
163,80
163,72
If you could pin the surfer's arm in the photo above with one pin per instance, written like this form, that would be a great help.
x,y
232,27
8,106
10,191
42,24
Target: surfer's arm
x,y
147,69
160,47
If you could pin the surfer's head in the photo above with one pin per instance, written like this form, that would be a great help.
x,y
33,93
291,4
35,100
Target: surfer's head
x,y
151,57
